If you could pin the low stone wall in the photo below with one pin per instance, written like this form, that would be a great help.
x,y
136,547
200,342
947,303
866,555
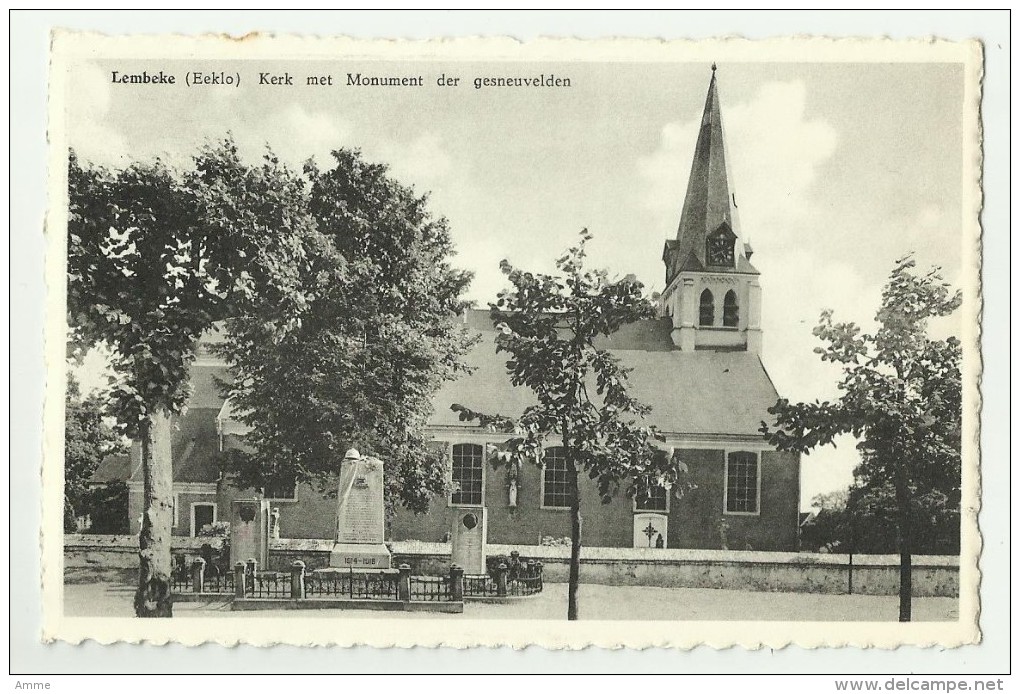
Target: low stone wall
x,y
933,576
314,553
121,551
681,568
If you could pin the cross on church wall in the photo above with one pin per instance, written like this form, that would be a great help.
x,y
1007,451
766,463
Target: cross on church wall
x,y
650,532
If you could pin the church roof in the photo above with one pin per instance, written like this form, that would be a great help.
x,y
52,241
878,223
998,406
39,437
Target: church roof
x,y
691,393
113,468
708,204
194,450
195,446
700,393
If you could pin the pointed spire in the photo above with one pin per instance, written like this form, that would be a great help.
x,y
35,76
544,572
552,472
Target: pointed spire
x,y
707,204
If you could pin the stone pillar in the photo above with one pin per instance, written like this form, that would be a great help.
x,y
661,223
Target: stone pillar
x,y
404,584
198,575
468,540
251,572
541,581
249,530
456,583
239,580
297,580
684,323
501,572
754,317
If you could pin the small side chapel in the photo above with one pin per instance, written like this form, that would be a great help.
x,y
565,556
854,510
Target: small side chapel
x,y
697,365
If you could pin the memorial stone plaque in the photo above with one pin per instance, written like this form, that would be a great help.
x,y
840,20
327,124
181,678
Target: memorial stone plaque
x,y
360,530
650,530
468,538
360,512
249,531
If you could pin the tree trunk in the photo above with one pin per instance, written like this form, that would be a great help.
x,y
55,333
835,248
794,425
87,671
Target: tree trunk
x,y
906,587
904,540
153,596
574,575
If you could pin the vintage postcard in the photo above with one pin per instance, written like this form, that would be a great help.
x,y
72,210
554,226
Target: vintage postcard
x,y
481,342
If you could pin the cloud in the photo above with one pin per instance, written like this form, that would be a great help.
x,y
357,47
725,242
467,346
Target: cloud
x,y
294,133
667,169
773,154
88,106
423,162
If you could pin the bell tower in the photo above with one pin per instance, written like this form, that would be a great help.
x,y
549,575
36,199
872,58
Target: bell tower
x,y
712,292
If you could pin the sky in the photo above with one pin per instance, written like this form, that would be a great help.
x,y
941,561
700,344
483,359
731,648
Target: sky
x,y
837,170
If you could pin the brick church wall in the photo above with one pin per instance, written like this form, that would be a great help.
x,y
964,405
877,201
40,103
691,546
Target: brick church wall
x,y
694,521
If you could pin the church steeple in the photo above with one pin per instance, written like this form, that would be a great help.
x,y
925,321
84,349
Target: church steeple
x,y
707,237
707,203
712,291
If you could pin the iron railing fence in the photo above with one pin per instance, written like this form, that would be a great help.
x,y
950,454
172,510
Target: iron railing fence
x,y
267,584
431,588
180,580
375,585
481,586
218,582
524,586
518,580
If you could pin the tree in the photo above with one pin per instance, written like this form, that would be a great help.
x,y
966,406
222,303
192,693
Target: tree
x,y
155,256
901,399
88,439
359,363
828,530
549,326
861,519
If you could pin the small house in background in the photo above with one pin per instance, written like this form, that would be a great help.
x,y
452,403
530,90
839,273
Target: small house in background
x,y
697,365
105,505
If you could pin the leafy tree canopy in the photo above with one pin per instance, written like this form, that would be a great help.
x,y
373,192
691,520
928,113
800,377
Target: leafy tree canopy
x,y
88,440
902,390
358,363
902,399
155,256
548,325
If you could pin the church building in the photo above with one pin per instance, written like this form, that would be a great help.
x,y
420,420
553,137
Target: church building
x,y
698,365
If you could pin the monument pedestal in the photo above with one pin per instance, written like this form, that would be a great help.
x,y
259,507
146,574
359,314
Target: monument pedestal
x,y
360,516
468,539
249,531
360,556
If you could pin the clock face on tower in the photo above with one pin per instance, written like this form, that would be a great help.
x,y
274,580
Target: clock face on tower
x,y
720,250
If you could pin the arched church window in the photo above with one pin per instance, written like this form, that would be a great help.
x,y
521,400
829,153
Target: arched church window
x,y
731,312
706,309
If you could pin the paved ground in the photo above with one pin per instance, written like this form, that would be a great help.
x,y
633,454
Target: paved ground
x,y
109,594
